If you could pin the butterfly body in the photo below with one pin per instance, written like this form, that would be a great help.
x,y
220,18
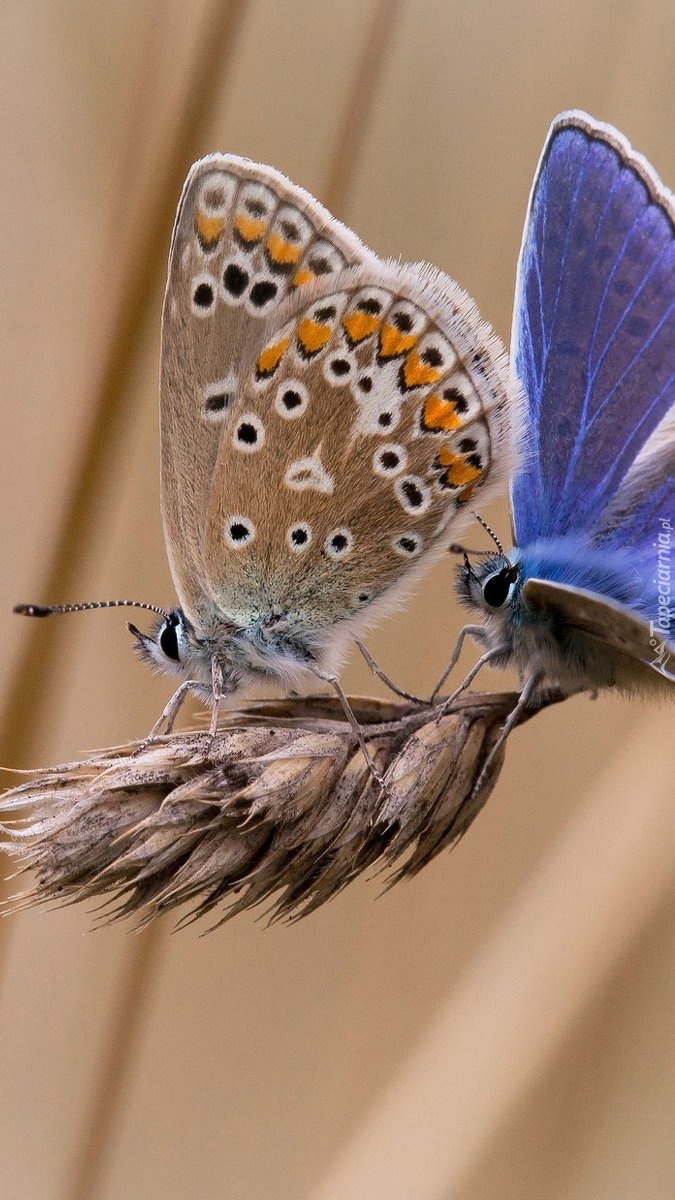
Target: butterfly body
x,y
584,600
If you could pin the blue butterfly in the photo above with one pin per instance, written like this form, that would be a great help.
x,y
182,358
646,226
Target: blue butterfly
x,y
586,598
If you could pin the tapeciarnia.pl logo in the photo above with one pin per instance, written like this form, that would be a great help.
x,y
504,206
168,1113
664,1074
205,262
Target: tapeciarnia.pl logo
x,y
661,630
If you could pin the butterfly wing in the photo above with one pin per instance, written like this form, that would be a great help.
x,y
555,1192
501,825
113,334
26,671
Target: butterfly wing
x,y
640,656
244,238
643,508
640,519
378,404
594,324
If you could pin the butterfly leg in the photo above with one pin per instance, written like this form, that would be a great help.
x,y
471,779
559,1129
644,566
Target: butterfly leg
x,y
377,671
170,711
495,652
529,687
217,686
334,682
480,634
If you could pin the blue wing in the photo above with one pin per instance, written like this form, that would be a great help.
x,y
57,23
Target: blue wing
x,y
640,520
643,508
594,325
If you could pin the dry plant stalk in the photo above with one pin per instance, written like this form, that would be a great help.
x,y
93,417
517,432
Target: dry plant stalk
x,y
279,807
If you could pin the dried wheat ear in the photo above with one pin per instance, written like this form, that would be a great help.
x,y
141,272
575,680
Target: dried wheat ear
x,y
280,807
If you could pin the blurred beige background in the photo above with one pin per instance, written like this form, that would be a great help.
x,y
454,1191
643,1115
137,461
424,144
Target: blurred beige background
x,y
503,1025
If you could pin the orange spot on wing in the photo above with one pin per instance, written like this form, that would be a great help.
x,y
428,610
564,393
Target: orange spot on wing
x,y
457,472
282,252
359,325
312,336
250,229
208,229
271,356
302,276
393,342
417,373
439,414
467,492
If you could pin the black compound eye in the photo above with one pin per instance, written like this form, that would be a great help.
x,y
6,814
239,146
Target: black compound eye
x,y
168,641
497,587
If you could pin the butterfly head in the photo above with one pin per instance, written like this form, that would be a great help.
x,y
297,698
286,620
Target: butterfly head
x,y
173,647
492,585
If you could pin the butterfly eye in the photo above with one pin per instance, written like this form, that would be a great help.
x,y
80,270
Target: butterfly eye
x,y
496,589
168,640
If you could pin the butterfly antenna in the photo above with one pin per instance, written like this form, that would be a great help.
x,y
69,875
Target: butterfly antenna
x,y
43,610
458,548
455,548
491,532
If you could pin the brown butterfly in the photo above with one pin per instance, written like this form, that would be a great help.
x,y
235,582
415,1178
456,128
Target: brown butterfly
x,y
325,417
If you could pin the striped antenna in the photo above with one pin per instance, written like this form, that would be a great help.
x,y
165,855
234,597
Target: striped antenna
x,y
492,533
42,610
458,548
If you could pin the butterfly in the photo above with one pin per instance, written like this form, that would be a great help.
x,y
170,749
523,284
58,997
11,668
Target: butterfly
x,y
325,416
586,600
